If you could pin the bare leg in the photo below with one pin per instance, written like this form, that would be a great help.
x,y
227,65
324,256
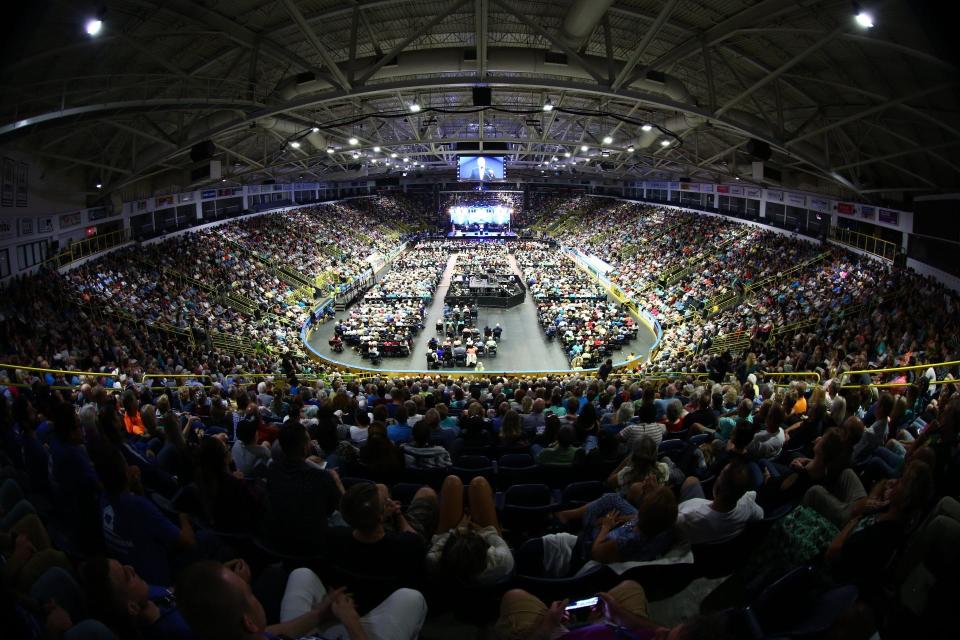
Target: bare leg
x,y
572,515
483,511
451,504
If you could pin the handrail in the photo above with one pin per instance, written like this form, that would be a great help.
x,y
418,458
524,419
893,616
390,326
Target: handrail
x,y
913,367
86,247
864,241
804,374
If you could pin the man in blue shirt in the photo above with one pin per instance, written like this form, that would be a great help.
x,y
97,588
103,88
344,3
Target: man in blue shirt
x,y
136,532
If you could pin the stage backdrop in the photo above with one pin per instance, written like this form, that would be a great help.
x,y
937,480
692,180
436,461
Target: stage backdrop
x,y
480,215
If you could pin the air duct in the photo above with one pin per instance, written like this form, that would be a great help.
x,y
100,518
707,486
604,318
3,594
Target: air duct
x,y
582,18
509,60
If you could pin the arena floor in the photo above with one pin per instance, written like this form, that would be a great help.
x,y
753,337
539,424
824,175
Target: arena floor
x,y
522,347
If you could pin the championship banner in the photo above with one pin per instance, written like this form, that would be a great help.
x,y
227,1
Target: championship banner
x,y
774,196
796,200
752,192
819,204
846,208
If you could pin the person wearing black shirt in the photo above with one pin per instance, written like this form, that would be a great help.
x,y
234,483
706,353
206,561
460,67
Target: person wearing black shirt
x,y
605,369
704,415
369,548
302,496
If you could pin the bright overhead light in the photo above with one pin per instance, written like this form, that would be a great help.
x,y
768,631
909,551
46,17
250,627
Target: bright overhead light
x,y
353,141
99,186
584,148
404,174
414,107
295,144
316,129
93,26
553,159
630,149
376,149
548,106
329,149
864,19
406,159
223,179
646,127
607,140
567,154
393,155
664,143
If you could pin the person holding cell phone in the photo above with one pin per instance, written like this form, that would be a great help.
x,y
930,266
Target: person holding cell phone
x,y
617,614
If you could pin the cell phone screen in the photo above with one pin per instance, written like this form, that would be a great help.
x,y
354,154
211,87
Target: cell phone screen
x,y
579,611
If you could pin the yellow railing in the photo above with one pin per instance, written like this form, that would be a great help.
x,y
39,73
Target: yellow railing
x,y
891,385
86,247
865,242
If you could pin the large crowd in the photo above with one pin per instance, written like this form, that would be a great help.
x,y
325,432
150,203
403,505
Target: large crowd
x,y
224,506
353,509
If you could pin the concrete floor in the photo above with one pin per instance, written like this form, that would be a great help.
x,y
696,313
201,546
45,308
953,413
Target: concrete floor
x,y
522,347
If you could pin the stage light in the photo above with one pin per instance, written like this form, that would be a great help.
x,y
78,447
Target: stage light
x,y
861,17
393,155
404,174
414,107
315,129
330,150
223,179
736,177
630,149
607,140
99,186
295,144
584,148
664,143
376,149
93,26
548,106
646,127
567,154
406,159
353,141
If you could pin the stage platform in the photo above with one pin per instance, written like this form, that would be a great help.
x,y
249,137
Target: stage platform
x,y
483,235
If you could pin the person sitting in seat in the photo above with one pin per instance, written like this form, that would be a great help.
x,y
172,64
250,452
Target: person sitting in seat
x,y
471,356
723,518
497,331
563,451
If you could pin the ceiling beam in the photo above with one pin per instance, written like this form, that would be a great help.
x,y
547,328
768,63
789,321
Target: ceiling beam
x,y
875,109
776,73
897,154
88,163
481,15
311,37
421,30
554,39
645,41
748,17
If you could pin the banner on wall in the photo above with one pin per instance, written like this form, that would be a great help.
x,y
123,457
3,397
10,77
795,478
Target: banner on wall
x,y
888,216
7,228
752,192
688,186
70,219
774,196
25,227
796,199
846,208
206,195
165,201
722,188
9,179
675,186
45,225
98,213
736,190
867,212
819,204
658,185
706,188
227,192
23,172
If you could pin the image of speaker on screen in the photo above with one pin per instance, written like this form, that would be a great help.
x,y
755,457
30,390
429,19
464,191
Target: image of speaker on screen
x,y
481,168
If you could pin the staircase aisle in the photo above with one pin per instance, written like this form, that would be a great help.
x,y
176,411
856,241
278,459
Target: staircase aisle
x,y
434,313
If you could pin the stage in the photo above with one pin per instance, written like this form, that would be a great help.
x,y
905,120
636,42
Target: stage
x,y
486,235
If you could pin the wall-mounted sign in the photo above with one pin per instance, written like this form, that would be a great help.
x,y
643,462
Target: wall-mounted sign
x,y
796,199
774,196
888,216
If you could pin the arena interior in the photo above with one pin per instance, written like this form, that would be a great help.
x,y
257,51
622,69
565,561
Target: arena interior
x,y
479,319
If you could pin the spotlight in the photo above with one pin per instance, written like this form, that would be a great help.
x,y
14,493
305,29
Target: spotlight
x,y
316,129
860,16
646,127
393,155
548,106
630,149
553,159
406,159
404,174
664,143
295,144
607,140
376,149
99,186
414,107
584,148
736,177
93,26
353,141
330,150
567,154
223,179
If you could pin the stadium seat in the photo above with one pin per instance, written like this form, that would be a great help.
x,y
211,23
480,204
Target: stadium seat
x,y
577,494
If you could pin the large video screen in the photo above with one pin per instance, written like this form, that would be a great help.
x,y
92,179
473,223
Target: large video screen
x,y
480,168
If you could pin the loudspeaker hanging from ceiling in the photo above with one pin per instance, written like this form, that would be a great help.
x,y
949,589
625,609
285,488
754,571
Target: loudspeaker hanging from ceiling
x,y
758,149
481,96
